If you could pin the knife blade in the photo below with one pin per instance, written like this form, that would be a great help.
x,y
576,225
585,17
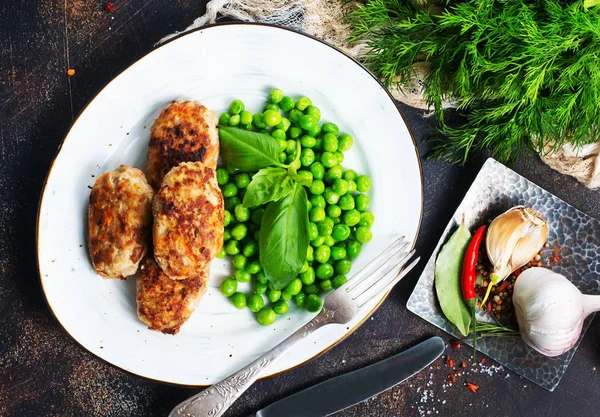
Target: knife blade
x,y
346,390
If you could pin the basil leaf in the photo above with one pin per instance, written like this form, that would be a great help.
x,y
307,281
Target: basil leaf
x,y
248,151
283,237
448,268
268,184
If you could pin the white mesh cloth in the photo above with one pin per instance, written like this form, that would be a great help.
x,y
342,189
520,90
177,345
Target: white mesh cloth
x,y
324,19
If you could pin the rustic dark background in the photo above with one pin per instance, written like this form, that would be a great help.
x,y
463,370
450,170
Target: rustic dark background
x,y
45,373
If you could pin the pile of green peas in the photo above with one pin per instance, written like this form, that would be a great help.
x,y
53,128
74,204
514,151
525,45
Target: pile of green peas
x,y
338,209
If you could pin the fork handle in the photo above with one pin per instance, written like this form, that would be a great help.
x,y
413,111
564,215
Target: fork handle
x,y
216,399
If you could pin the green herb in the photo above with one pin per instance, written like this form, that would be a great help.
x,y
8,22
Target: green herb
x,y
283,237
448,267
524,73
246,150
268,184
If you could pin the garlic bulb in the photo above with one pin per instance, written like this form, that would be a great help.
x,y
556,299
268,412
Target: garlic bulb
x,y
550,310
513,239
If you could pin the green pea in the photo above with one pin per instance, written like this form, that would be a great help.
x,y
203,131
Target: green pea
x,y
231,202
362,202
318,144
313,231
340,186
337,253
250,249
366,219
331,197
324,229
236,107
232,247
271,106
307,157
318,170
280,307
334,211
334,173
239,261
353,249
295,116
271,118
257,120
343,267
310,253
313,303
273,295
318,241
261,277
329,221
308,141
329,127
363,235
351,186
329,241
242,214
318,201
291,159
294,132
339,280
363,183
308,276
328,159
322,254
222,176
305,177
304,267
336,220
257,215
347,202
242,180
303,103
224,119
287,103
291,147
300,298
326,284
234,120
221,253
294,287
340,232
286,296
352,217
229,190
345,142
275,96
313,111
317,214
311,289
314,131
242,276
254,267
324,271
228,287
282,157
340,156
266,316
256,303
279,134
330,142
227,218
246,118
307,122
350,175
260,288
284,124
239,300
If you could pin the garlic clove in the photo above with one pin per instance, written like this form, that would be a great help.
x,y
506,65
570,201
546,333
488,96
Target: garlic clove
x,y
513,239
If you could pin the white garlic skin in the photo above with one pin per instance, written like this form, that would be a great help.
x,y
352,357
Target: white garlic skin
x,y
549,309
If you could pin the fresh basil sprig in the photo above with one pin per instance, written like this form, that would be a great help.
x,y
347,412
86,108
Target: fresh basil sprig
x,y
283,237
268,184
248,151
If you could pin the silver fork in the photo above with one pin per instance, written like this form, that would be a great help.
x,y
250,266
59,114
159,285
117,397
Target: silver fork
x,y
339,307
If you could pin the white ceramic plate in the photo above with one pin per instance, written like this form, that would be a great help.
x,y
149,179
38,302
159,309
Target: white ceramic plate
x,y
214,65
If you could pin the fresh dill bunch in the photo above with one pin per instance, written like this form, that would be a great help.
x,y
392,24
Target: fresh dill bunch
x,y
525,73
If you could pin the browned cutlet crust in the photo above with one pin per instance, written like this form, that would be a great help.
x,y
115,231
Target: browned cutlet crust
x,y
165,304
185,131
188,220
119,219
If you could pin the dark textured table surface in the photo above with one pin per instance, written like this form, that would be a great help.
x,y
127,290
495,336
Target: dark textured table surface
x,y
45,373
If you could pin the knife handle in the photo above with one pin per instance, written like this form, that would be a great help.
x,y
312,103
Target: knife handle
x,y
215,400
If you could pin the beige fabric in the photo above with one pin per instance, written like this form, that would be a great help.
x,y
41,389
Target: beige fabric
x,y
325,19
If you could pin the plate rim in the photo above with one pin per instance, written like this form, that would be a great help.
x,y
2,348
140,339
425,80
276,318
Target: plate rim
x,y
174,38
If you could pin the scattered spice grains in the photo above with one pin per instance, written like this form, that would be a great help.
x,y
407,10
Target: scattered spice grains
x,y
109,7
70,72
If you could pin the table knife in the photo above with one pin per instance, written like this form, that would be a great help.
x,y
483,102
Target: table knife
x,y
346,390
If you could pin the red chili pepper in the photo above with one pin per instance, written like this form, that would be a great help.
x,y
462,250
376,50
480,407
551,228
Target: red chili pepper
x,y
472,387
489,307
469,272
503,286
109,7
